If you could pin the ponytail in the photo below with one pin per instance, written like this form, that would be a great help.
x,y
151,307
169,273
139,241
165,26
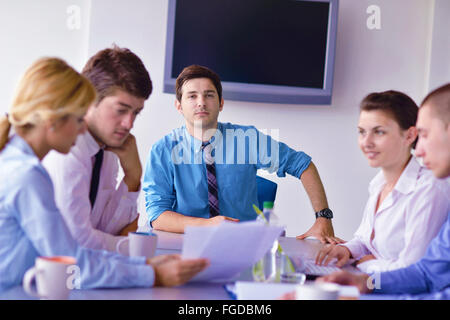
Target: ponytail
x,y
5,127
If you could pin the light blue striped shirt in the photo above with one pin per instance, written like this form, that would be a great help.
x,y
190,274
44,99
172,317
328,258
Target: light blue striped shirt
x,y
31,226
175,173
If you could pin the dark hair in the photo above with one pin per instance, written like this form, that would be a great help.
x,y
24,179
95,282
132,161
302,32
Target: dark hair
x,y
196,71
401,107
118,68
439,100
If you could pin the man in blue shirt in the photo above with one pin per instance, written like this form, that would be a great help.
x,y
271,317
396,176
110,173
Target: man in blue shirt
x,y
429,278
181,189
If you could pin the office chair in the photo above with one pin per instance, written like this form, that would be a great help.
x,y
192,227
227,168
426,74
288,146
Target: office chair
x,y
267,190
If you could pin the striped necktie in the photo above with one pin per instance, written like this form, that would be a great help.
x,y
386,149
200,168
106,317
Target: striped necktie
x,y
95,176
213,194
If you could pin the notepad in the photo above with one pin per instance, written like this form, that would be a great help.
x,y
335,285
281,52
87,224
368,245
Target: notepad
x,y
230,247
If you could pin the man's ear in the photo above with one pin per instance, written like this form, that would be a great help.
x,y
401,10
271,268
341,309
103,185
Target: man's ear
x,y
412,134
178,106
90,111
221,104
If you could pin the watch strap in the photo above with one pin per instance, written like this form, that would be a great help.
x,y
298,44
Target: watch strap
x,y
324,213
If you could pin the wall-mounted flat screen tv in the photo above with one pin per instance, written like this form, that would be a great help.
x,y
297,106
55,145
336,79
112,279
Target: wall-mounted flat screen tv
x,y
276,51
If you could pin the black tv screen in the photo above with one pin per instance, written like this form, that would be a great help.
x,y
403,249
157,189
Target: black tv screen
x,y
263,50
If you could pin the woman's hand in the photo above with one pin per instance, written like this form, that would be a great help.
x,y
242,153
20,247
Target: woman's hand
x,y
330,252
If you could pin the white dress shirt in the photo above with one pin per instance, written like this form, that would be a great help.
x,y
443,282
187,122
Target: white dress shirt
x,y
405,222
114,207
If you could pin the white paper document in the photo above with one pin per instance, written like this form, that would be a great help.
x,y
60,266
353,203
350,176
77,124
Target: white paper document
x,y
246,290
230,247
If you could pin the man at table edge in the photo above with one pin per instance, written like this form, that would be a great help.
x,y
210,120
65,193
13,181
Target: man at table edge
x,y
199,99
429,277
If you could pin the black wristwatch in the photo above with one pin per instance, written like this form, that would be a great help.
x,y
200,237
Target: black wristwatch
x,y
324,213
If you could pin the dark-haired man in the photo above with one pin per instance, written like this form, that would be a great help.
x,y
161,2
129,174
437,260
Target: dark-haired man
x,y
96,208
181,189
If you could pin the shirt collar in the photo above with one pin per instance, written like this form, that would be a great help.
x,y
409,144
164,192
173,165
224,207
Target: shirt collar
x,y
196,144
405,184
91,145
20,143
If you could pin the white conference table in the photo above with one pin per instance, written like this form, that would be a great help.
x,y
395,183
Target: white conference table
x,y
172,243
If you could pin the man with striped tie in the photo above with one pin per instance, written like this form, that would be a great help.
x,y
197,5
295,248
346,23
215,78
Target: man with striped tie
x,y
205,172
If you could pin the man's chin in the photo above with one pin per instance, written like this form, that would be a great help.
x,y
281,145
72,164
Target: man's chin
x,y
115,142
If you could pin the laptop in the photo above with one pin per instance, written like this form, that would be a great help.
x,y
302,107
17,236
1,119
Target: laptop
x,y
309,267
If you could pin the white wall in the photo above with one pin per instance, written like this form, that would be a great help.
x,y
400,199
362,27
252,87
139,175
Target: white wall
x,y
440,48
33,29
398,56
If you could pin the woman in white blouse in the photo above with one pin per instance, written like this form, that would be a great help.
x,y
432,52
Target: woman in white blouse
x,y
406,205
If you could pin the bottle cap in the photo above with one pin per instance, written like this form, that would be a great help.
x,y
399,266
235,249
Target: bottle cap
x,y
267,204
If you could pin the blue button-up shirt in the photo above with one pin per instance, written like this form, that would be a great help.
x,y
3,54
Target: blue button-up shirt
x,y
31,226
429,278
175,174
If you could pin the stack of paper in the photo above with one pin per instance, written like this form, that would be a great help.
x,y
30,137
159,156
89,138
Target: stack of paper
x,y
230,247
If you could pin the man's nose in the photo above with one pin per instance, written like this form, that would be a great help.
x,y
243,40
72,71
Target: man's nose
x,y
128,121
201,101
419,151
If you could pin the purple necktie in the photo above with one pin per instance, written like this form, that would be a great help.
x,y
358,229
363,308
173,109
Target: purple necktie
x,y
213,194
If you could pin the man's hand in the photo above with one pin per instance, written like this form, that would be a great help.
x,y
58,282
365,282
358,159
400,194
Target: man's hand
x,y
348,279
171,221
322,229
132,227
130,163
217,220
171,270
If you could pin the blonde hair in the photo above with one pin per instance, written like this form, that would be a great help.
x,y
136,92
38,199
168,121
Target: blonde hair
x,y
49,90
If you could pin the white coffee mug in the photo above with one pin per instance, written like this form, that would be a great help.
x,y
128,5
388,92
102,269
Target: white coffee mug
x,y
317,291
141,244
53,276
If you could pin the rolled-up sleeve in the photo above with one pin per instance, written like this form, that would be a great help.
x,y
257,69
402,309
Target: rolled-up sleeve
x,y
275,156
292,162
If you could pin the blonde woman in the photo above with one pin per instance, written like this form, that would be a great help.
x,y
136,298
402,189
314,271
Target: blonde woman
x,y
47,114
